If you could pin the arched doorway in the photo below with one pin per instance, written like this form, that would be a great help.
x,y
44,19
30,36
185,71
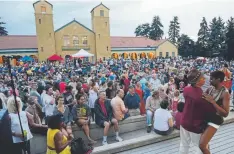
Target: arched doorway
x,y
133,56
115,56
142,55
151,55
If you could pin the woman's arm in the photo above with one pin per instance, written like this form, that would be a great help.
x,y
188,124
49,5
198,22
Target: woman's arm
x,y
170,122
58,142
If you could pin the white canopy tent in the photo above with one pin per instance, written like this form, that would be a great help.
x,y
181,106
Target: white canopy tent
x,y
82,53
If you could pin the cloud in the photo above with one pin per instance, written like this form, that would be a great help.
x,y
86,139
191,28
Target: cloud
x,y
125,15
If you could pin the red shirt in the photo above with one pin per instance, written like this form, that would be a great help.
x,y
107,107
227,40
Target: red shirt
x,y
195,110
103,107
62,86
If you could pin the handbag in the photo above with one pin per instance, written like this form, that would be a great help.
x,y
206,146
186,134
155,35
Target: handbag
x,y
79,147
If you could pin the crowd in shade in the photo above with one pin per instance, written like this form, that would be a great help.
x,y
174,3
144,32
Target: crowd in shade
x,y
53,98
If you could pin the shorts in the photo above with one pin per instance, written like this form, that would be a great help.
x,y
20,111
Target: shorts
x,y
213,125
101,124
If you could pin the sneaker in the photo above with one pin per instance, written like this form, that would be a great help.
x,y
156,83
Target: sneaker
x,y
104,143
148,129
232,110
92,141
119,139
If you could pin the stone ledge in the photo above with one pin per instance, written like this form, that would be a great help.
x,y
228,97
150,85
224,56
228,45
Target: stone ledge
x,y
132,119
143,140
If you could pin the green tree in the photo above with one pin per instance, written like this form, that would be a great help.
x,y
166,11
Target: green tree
x,y
230,39
156,32
174,30
216,41
3,31
203,37
143,30
186,46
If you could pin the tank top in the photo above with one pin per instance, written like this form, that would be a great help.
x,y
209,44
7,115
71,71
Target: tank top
x,y
15,126
50,142
92,98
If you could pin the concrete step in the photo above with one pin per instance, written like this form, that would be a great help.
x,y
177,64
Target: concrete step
x,y
139,138
134,123
130,124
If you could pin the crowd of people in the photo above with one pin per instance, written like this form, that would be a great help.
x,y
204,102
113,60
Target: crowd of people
x,y
171,92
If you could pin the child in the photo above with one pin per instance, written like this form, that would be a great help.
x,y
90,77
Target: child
x,y
175,101
177,117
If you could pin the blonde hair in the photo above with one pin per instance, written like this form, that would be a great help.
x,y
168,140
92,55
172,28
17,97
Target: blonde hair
x,y
11,104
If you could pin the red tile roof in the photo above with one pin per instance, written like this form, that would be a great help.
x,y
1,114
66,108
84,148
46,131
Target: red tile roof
x,y
131,42
30,41
18,42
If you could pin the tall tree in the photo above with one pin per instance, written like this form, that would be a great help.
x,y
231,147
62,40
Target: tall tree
x,y
230,39
174,30
186,46
156,32
143,30
216,41
3,31
203,37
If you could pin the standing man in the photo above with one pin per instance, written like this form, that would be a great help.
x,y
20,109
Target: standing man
x,y
48,101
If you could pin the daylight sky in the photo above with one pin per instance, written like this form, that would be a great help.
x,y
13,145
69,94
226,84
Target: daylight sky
x,y
125,15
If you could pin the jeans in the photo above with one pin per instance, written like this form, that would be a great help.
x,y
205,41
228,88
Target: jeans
x,y
149,117
186,138
168,132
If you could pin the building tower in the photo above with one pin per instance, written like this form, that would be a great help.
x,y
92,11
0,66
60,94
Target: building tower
x,y
44,29
101,27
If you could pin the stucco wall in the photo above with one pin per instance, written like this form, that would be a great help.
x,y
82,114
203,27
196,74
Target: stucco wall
x,y
45,30
101,27
166,47
74,29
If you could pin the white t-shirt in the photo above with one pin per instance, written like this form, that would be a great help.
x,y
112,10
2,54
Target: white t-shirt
x,y
15,126
161,117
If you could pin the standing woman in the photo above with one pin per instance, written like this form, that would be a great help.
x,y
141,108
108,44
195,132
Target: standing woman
x,y
17,136
140,93
227,79
219,98
57,142
93,96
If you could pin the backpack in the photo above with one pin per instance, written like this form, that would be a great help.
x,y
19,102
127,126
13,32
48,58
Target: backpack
x,y
79,147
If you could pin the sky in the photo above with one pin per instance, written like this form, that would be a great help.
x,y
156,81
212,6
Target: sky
x,y
125,15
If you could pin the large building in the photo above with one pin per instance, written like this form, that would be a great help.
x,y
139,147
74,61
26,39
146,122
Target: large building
x,y
73,36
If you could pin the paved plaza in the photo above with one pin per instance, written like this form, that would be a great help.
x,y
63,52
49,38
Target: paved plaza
x,y
222,143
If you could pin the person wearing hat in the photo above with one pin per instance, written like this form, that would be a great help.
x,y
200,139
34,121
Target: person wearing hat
x,y
132,101
194,113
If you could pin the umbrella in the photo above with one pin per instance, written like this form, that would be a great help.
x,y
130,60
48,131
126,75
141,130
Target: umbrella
x,y
55,58
26,58
82,53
